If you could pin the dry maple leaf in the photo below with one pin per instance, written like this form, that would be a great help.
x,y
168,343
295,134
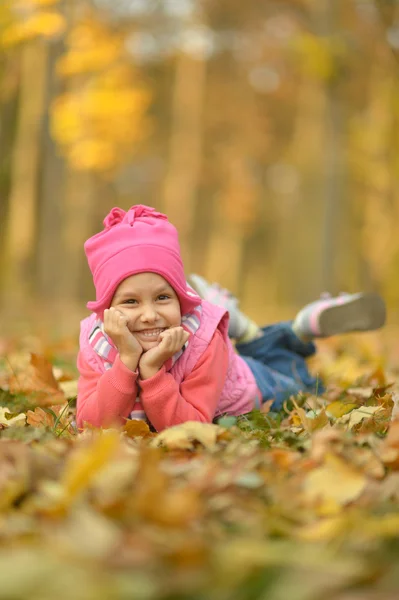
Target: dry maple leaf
x,y
300,417
38,380
39,418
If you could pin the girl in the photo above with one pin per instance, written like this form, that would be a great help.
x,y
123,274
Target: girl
x,y
154,349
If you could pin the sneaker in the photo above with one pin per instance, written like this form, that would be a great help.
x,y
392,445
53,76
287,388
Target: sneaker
x,y
343,314
215,294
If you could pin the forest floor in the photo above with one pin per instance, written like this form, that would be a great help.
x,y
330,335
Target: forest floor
x,y
300,504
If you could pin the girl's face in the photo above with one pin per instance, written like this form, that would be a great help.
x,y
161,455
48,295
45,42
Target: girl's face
x,y
150,304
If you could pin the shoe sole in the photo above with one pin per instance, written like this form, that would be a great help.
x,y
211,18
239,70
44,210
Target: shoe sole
x,y
363,313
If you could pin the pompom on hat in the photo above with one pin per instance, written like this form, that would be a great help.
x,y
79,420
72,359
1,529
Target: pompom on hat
x,y
137,241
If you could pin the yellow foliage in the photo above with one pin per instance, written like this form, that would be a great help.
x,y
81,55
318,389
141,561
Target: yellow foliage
x,y
98,123
91,49
334,484
98,126
46,24
96,155
22,5
318,55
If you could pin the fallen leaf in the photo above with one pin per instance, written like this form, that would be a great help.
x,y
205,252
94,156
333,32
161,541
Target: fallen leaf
x,y
85,462
187,435
19,420
322,530
338,408
335,480
310,421
364,412
40,418
38,380
136,428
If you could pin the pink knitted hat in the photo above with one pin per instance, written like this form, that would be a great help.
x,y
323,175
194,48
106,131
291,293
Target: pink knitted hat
x,y
137,241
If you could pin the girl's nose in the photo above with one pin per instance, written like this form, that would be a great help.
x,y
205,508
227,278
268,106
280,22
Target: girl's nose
x,y
148,313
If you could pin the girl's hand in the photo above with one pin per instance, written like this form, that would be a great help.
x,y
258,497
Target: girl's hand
x,y
171,341
115,326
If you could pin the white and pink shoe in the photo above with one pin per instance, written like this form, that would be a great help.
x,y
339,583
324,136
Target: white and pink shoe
x,y
215,294
343,314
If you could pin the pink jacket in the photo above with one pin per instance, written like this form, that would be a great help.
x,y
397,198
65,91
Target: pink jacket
x,y
208,380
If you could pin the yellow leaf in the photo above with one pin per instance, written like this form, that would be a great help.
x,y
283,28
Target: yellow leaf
x,y
185,436
84,464
384,526
322,530
19,420
334,481
338,408
136,428
364,412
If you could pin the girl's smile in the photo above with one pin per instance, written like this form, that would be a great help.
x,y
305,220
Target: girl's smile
x,y
149,332
150,304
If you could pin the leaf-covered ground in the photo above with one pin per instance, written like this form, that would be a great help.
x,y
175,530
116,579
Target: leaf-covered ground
x,y
298,505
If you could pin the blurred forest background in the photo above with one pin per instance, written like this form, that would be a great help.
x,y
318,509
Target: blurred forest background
x,y
267,130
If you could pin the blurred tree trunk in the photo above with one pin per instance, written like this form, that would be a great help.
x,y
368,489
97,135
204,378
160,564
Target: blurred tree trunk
x,y
22,227
185,152
233,216
87,200
10,72
299,259
51,189
335,220
79,224
235,207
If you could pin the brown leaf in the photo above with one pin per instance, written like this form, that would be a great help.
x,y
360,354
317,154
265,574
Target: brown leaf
x,y
308,423
137,428
39,418
266,406
37,379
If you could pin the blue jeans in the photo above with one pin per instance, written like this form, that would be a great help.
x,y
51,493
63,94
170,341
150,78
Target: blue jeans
x,y
278,362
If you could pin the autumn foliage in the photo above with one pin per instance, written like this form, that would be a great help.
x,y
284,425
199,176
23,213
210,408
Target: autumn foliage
x,y
300,504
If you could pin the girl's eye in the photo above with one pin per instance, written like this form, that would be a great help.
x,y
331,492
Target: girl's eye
x,y
130,301
163,297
